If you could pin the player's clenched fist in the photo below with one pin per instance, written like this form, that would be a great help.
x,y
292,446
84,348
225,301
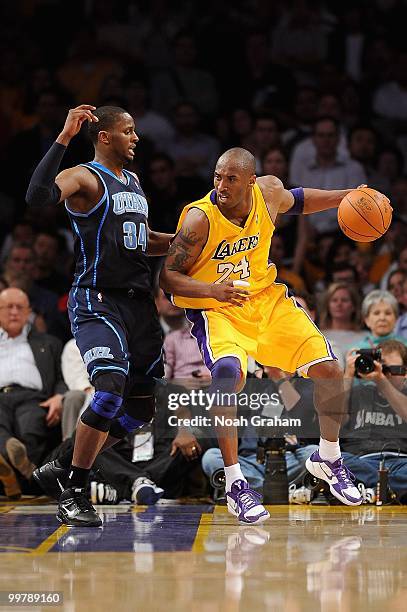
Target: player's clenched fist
x,y
227,292
74,120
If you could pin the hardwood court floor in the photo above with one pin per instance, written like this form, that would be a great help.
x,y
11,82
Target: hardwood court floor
x,y
196,558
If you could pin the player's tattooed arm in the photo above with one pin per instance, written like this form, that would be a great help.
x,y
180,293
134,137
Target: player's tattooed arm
x,y
183,253
184,250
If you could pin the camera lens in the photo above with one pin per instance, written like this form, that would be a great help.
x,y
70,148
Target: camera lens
x,y
364,364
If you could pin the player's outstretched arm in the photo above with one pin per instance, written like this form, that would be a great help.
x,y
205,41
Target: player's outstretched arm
x,y
298,200
158,243
45,188
183,253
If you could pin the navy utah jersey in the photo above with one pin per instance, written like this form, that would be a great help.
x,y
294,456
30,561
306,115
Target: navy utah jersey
x,y
111,239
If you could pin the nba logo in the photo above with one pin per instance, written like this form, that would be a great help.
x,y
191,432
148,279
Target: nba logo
x,y
100,297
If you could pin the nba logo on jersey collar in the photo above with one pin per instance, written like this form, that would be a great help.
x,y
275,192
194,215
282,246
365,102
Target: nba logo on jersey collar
x,y
125,201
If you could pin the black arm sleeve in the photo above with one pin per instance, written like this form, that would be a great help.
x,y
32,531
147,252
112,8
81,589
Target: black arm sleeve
x,y
42,189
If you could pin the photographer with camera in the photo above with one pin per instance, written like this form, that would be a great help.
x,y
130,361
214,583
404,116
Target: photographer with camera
x,y
376,425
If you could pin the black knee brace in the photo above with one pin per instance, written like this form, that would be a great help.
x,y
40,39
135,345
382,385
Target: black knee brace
x,y
137,411
106,402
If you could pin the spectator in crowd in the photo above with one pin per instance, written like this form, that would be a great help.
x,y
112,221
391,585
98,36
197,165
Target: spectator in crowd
x,y
285,275
389,166
19,271
400,263
399,197
171,317
194,152
395,283
339,318
185,81
266,136
304,115
31,386
242,122
379,312
363,147
328,106
47,249
168,192
327,171
401,324
22,233
390,99
149,123
377,420
263,84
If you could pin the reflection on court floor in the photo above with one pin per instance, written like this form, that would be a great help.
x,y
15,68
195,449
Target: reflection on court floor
x,y
178,557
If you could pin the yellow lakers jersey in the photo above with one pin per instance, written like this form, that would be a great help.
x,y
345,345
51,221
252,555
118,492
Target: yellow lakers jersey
x,y
232,252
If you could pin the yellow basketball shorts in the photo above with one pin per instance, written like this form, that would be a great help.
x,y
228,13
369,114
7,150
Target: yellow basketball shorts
x,y
270,327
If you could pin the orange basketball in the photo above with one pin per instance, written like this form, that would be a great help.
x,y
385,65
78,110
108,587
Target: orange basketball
x,y
364,214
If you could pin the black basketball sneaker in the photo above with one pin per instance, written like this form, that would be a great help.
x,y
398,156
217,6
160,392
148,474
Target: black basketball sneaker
x,y
51,478
75,510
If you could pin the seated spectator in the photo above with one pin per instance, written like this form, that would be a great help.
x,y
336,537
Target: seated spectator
x,y
395,283
47,248
326,170
19,271
339,318
171,317
401,324
185,80
379,312
151,124
285,275
266,136
31,386
193,152
377,420
169,193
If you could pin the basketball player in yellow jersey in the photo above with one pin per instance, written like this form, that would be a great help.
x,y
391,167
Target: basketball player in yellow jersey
x,y
217,269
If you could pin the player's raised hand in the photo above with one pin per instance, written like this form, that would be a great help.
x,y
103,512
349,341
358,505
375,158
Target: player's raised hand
x,y
227,292
74,120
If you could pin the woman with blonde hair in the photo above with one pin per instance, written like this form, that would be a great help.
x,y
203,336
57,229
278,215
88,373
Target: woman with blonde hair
x,y
340,318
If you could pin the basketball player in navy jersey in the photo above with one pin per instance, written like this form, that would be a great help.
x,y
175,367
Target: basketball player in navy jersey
x,y
111,308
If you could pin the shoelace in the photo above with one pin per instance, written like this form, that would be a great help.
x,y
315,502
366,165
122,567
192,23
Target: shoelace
x,y
347,476
249,498
83,503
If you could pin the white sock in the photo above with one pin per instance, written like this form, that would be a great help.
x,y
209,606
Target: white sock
x,y
232,473
329,451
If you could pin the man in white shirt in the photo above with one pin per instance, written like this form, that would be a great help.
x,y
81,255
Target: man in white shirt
x,y
327,170
31,389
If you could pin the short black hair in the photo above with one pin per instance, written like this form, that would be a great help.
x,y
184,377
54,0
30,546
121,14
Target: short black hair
x,y
324,118
107,116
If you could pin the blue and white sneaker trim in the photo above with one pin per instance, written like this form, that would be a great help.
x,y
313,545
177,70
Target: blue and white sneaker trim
x,y
338,476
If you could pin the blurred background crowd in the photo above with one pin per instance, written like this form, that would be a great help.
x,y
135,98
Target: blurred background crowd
x,y
315,89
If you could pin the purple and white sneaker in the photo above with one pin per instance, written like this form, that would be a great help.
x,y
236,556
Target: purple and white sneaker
x,y
338,476
244,503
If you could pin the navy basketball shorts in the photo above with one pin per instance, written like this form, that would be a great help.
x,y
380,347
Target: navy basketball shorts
x,y
117,330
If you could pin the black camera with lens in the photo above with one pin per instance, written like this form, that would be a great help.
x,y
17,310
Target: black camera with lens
x,y
271,452
364,363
